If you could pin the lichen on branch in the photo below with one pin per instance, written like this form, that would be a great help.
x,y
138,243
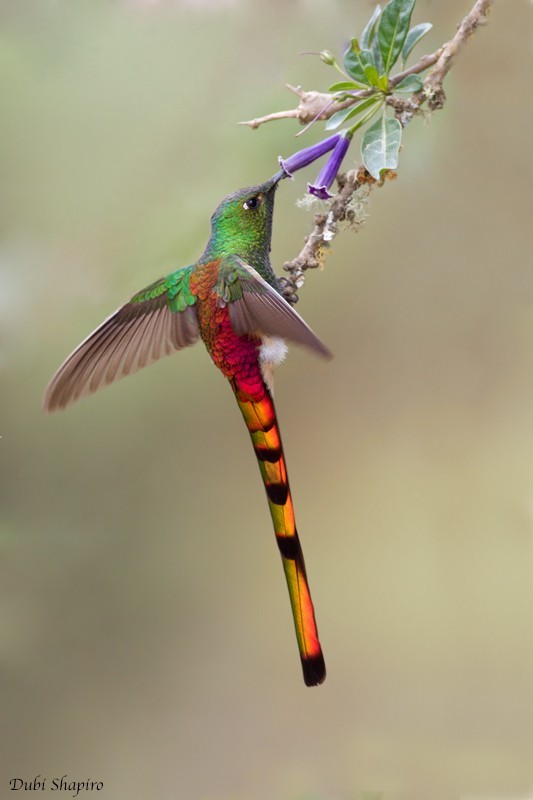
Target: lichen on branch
x,y
347,209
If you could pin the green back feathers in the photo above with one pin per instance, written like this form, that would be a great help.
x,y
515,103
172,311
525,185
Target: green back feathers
x,y
175,286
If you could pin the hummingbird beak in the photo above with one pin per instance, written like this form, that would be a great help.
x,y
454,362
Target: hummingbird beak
x,y
273,182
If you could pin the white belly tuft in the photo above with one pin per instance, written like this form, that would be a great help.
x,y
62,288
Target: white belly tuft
x,y
271,353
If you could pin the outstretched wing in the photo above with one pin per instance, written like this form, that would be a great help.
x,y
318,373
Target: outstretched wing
x,y
256,308
154,323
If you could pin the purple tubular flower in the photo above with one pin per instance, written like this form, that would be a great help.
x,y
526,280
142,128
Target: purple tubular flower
x,y
327,174
309,154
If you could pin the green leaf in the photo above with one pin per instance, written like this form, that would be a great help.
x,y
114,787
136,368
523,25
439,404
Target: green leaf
x,y
383,83
413,37
368,65
347,113
352,64
409,85
369,114
371,73
370,27
338,118
346,86
380,146
361,65
392,30
376,52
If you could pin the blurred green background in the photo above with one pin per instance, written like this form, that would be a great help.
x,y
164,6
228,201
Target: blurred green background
x,y
145,627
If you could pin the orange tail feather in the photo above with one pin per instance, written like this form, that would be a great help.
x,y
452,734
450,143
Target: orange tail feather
x,y
260,418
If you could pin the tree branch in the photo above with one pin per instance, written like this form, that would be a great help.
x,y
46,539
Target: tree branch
x,y
432,91
349,207
322,105
312,106
475,19
349,203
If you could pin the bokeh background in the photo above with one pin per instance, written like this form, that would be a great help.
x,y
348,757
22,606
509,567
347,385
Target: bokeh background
x,y
146,638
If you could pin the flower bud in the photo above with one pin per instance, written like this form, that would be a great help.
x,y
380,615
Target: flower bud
x,y
327,58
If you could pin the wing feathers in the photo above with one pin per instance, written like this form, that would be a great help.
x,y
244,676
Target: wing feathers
x,y
133,337
262,310
144,330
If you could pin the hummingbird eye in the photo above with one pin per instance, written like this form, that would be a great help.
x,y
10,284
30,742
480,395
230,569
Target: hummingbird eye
x,y
253,202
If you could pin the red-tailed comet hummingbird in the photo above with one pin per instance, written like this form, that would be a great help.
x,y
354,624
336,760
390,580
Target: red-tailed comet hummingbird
x,y
230,298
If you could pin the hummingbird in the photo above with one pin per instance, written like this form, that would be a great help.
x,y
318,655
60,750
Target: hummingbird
x,y
231,299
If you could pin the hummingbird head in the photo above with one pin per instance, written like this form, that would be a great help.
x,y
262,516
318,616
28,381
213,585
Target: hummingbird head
x,y
242,224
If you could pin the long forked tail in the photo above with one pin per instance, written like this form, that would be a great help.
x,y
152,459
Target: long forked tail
x,y
260,418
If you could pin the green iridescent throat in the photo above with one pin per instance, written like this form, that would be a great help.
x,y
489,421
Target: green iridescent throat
x,y
246,234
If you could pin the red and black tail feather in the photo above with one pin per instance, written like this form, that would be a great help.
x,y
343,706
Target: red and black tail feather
x,y
260,418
